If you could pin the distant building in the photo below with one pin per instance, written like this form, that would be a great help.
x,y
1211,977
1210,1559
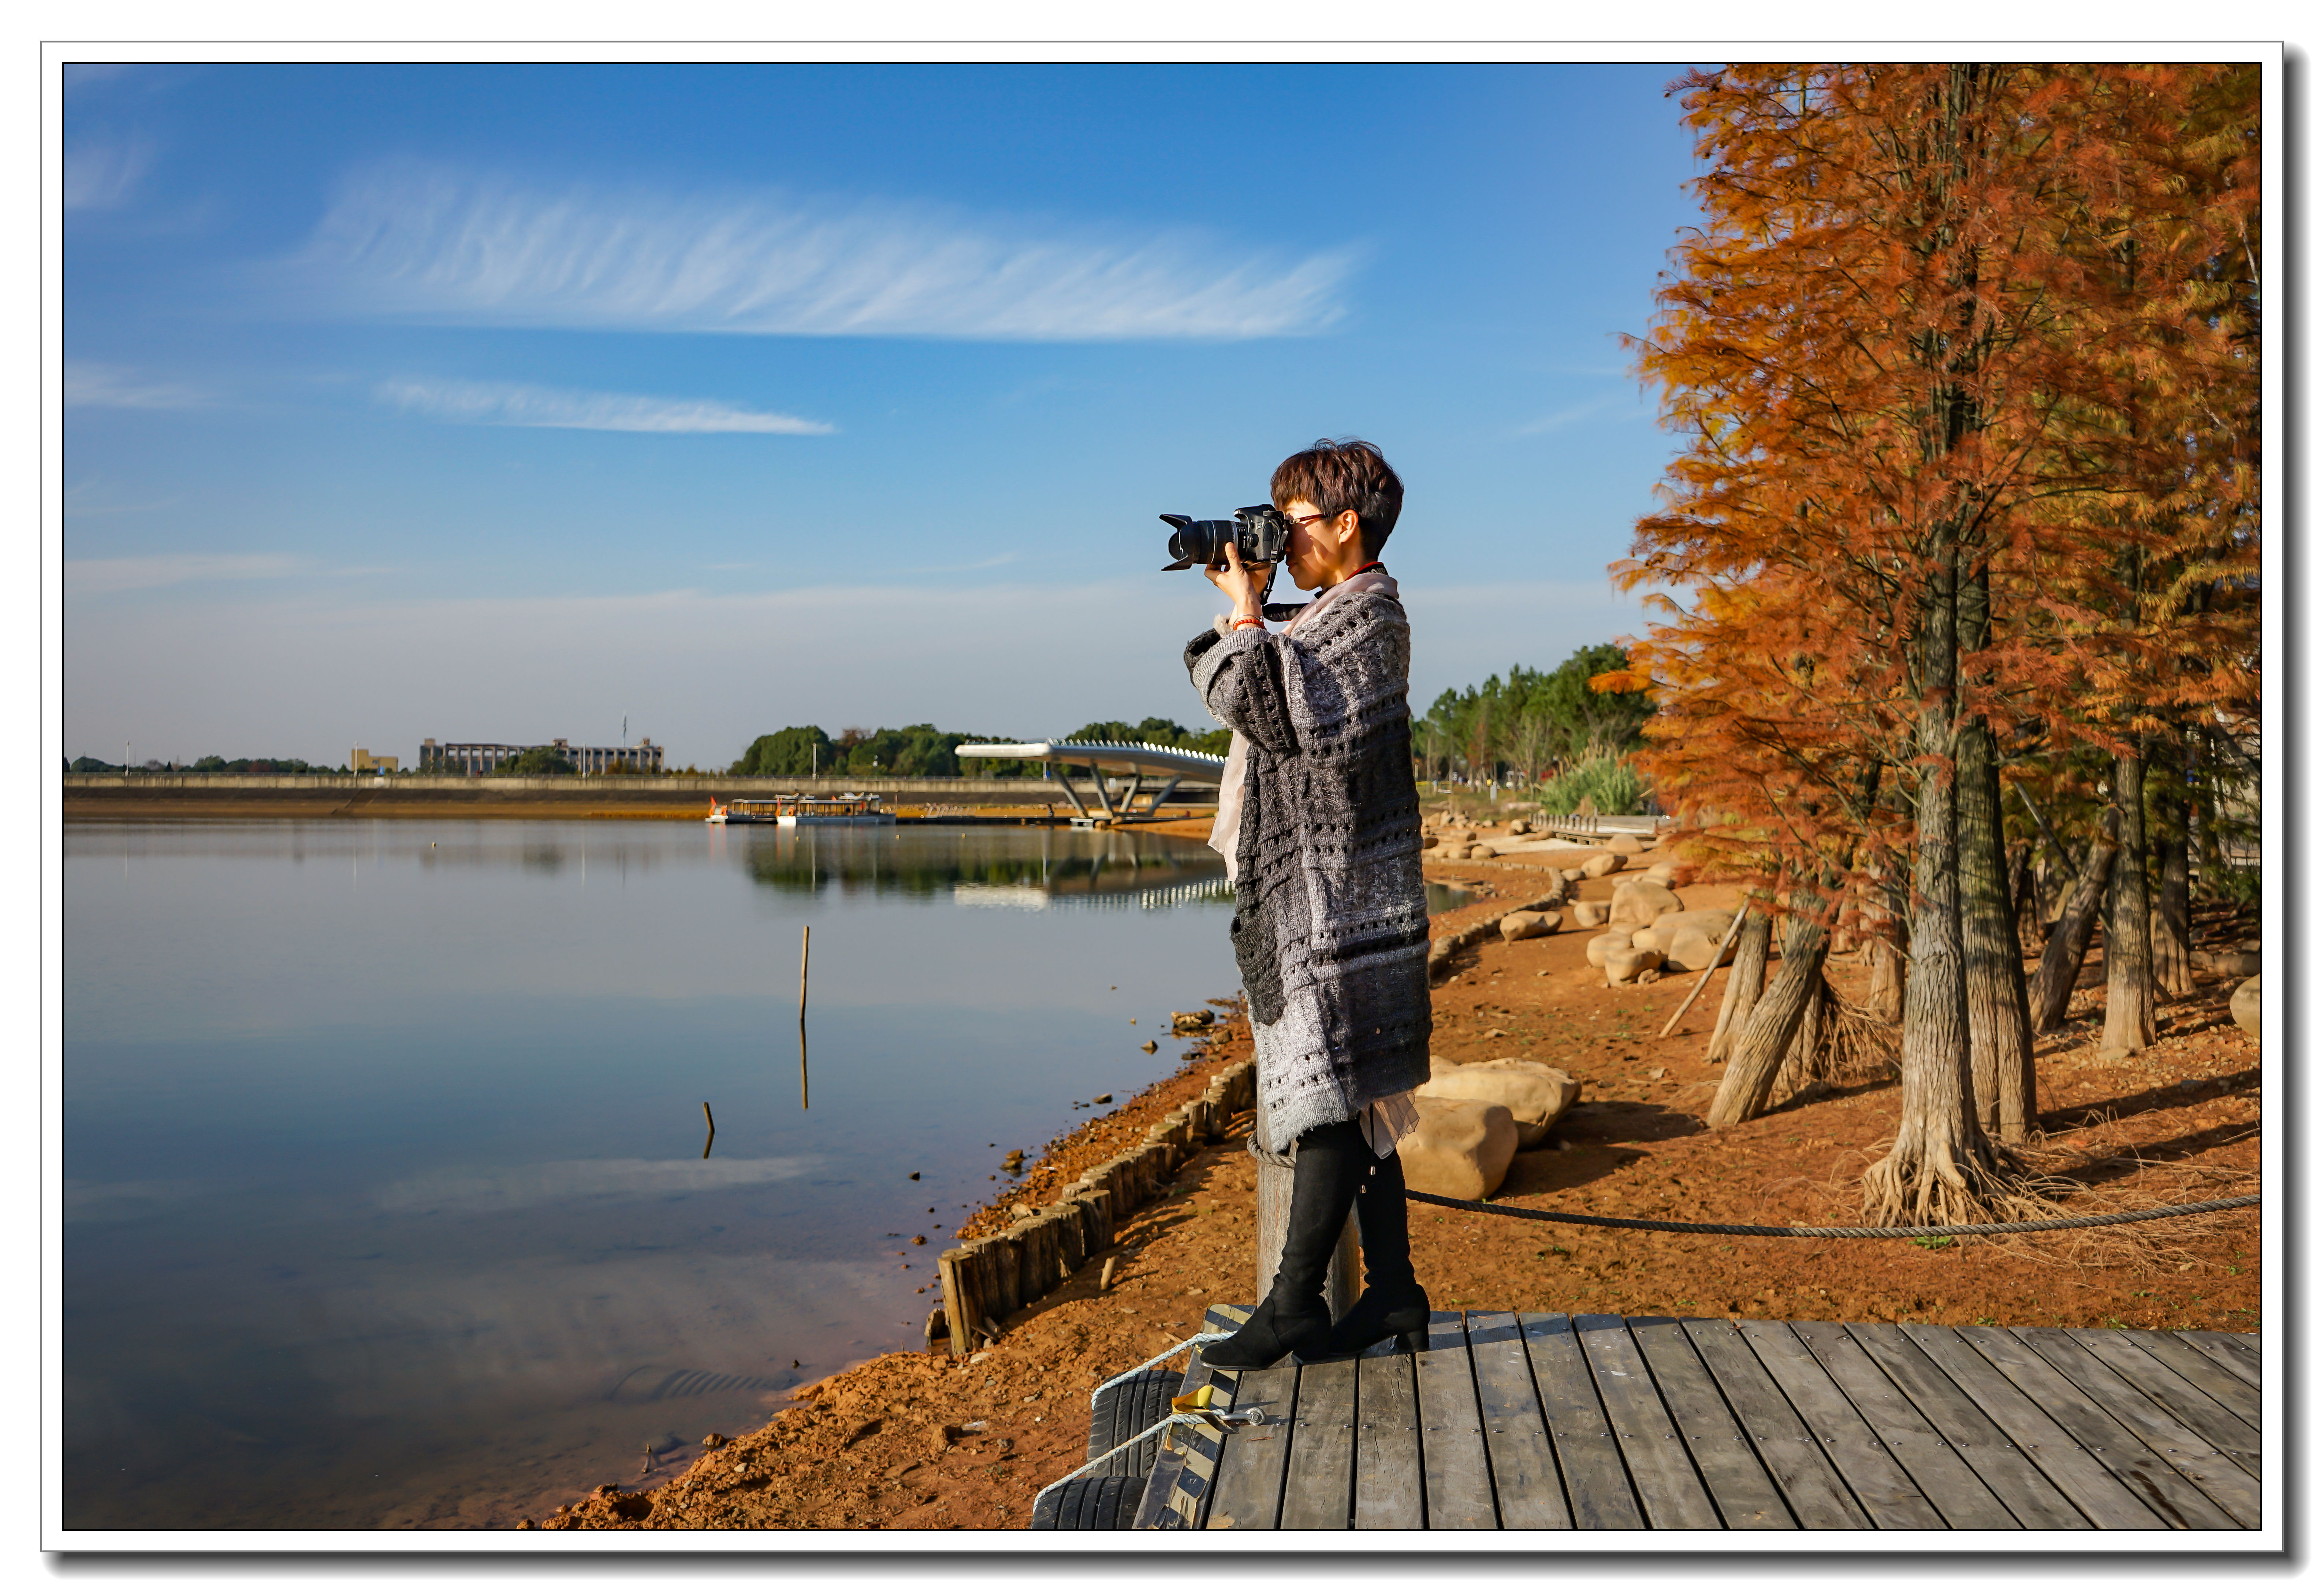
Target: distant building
x,y
364,759
482,758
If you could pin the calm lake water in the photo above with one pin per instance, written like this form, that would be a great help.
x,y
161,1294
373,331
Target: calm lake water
x,y
385,1195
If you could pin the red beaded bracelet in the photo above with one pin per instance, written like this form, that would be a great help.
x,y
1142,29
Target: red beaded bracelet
x,y
1240,622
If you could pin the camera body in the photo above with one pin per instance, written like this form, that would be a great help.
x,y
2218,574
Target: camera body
x,y
1259,533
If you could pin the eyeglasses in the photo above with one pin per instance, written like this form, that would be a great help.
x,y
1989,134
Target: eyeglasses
x,y
1305,519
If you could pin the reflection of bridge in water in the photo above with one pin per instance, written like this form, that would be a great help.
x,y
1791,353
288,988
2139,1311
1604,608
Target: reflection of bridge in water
x,y
1024,869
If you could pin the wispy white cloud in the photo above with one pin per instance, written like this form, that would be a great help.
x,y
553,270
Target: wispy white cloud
x,y
101,173
91,385
1572,413
426,242
91,577
502,403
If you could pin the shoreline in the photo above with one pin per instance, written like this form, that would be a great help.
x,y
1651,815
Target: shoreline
x,y
916,1440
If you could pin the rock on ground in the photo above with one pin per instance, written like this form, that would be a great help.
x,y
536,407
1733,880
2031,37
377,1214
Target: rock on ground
x,y
1605,945
2244,1007
1637,902
1536,1094
1461,1149
1526,926
1630,845
1626,964
1602,864
1589,915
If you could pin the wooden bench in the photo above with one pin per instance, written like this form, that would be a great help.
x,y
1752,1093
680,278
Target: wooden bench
x,y
1540,1420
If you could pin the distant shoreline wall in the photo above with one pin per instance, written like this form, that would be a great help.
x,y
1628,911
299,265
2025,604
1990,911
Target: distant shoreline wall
x,y
229,796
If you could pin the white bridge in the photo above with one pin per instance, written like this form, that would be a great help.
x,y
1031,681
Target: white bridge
x,y
1140,759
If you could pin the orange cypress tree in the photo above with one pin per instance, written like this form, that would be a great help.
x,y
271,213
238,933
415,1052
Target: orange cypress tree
x,y
1895,349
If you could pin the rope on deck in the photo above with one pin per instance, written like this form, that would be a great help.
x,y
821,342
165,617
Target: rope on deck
x,y
1761,1231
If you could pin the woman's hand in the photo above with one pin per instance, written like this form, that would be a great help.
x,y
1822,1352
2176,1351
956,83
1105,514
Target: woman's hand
x,y
1240,582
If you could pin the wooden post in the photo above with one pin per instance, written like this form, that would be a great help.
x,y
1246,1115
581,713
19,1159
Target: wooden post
x,y
963,1302
1344,1281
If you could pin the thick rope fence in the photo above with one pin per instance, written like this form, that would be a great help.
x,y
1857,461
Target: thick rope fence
x,y
1763,1231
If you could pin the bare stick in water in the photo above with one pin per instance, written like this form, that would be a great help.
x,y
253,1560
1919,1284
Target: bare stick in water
x,y
803,930
712,1124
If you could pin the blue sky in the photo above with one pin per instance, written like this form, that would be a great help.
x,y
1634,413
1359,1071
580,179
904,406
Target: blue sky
x,y
502,403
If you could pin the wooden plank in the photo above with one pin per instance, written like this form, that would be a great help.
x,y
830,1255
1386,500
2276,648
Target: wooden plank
x,y
1319,1483
2147,1474
2230,1487
2231,1391
1884,1489
1387,1444
2237,1352
1190,1497
1526,1484
2004,1467
1943,1478
1746,1497
2220,1427
1819,1500
1597,1484
1668,1489
1247,1492
1453,1469
1169,1500
2076,1473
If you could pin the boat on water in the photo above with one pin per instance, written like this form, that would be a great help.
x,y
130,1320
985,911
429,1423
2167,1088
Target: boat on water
x,y
849,807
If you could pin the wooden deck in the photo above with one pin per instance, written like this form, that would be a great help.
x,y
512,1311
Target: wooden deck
x,y
1628,1423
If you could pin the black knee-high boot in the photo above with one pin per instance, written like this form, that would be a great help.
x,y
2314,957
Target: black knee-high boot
x,y
1393,1304
1293,1320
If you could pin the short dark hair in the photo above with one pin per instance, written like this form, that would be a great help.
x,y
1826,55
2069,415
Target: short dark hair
x,y
1337,477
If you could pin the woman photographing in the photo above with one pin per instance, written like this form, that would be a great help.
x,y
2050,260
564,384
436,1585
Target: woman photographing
x,y
1318,821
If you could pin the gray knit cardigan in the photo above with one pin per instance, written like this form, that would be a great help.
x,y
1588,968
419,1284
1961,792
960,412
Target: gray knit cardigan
x,y
1331,923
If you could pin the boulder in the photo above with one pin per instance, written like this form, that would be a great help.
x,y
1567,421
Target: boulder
x,y
1629,846
1637,902
2244,1007
1536,1094
1689,943
1480,849
1462,835
1660,873
1589,915
1624,965
1460,1148
1527,926
1605,945
1646,939
1602,864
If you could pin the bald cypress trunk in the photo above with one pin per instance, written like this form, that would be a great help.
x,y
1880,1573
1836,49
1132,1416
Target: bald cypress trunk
x,y
2000,1027
2130,947
1887,997
1767,1039
2069,941
1744,980
1939,1169
2173,959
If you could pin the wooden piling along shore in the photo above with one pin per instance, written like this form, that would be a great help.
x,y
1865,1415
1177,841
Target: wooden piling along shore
x,y
986,1279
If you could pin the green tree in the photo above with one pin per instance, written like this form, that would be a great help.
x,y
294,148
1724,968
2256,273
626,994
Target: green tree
x,y
802,749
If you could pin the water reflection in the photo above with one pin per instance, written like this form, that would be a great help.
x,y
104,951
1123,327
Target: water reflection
x,y
997,866
384,1195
